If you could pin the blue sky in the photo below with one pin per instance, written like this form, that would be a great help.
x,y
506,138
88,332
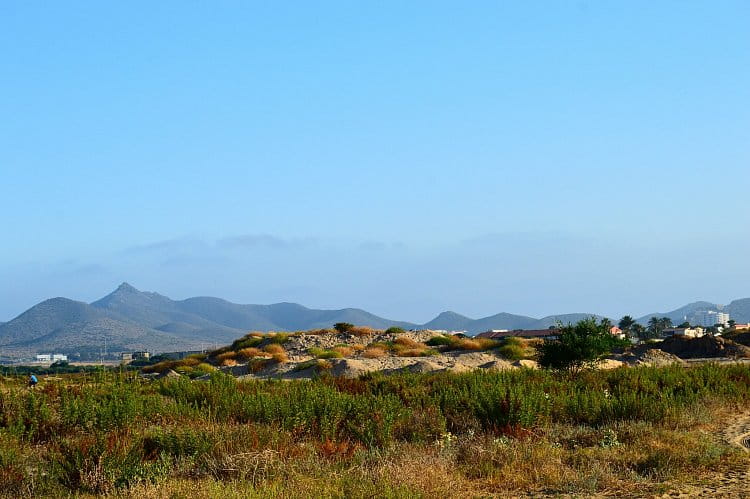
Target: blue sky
x,y
529,157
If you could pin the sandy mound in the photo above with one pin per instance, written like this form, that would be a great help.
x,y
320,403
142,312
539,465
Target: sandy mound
x,y
609,364
651,357
352,368
529,364
498,365
422,366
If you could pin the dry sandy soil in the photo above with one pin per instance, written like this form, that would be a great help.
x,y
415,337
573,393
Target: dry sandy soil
x,y
735,483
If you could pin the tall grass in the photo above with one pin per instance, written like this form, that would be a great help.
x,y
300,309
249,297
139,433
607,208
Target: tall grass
x,y
118,431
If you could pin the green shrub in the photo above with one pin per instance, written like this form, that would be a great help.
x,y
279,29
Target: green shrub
x,y
579,345
395,330
442,340
343,327
512,352
324,354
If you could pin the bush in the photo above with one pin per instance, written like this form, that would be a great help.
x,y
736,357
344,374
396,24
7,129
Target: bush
x,y
579,345
343,327
395,330
442,340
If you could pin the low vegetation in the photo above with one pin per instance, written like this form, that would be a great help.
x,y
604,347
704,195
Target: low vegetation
x,y
482,433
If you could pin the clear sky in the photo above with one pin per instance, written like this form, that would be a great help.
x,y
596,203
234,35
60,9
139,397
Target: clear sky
x,y
403,157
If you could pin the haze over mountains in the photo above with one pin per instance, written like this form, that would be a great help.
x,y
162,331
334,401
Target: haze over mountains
x,y
128,319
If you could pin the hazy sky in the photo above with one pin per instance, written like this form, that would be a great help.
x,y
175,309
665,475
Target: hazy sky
x,y
403,157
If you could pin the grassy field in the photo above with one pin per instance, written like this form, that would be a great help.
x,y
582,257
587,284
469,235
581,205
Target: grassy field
x,y
631,431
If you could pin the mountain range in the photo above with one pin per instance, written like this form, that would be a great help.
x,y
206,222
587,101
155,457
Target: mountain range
x,y
128,319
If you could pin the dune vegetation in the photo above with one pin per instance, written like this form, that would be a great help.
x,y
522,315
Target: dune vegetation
x,y
637,431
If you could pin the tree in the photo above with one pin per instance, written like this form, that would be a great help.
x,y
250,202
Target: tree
x,y
639,331
684,325
579,345
657,325
343,327
626,323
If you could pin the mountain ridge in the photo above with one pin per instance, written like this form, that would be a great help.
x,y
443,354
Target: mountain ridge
x,y
128,319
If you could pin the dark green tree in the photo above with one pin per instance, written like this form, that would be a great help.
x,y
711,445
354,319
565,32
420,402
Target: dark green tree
x,y
579,345
343,327
626,323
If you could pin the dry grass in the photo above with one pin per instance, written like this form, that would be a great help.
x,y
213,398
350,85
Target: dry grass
x,y
274,349
250,353
320,331
357,347
410,352
374,353
362,331
228,362
225,356
408,342
280,357
468,344
344,351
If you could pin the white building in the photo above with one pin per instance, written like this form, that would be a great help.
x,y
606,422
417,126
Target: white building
x,y
688,332
709,318
51,357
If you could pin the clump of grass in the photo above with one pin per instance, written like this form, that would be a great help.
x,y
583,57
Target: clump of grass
x,y
345,351
357,347
228,363
374,352
225,356
361,331
411,352
468,344
407,342
280,338
280,357
321,353
322,331
441,340
250,353
274,348
248,341
204,368
514,349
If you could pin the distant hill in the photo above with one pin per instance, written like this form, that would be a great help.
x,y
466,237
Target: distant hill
x,y
678,315
129,319
738,310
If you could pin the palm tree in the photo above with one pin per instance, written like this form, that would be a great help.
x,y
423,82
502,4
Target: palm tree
x,y
626,323
639,331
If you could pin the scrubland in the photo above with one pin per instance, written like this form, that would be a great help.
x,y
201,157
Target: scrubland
x,y
628,431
